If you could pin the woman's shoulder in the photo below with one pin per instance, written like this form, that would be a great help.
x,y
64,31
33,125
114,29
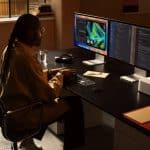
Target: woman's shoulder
x,y
25,56
23,52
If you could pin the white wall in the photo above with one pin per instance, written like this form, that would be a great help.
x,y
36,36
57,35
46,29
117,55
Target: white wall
x,y
103,8
113,9
144,6
57,8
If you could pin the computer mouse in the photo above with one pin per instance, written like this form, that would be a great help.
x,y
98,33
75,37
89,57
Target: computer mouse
x,y
65,58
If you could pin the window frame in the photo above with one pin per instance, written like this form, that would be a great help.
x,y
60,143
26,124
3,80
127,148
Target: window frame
x,y
10,15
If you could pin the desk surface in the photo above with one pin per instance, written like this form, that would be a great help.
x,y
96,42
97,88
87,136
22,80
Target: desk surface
x,y
111,95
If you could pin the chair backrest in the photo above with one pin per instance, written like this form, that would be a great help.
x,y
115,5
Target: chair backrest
x,y
21,123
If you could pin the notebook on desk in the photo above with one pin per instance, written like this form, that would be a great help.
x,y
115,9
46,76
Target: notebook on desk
x,y
140,116
97,74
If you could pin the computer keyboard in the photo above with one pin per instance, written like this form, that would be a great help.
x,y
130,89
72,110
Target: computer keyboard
x,y
84,80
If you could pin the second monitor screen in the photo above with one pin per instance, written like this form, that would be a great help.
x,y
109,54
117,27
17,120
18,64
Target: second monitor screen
x,y
91,33
121,41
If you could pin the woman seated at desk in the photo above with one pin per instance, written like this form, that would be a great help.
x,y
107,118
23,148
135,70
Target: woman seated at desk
x,y
23,82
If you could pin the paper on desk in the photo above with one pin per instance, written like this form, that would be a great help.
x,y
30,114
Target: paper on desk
x,y
96,74
141,115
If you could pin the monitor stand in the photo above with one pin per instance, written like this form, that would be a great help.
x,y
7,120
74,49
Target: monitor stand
x,y
136,76
99,59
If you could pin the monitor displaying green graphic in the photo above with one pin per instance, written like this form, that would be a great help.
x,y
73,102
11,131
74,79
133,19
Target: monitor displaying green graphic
x,y
91,33
96,35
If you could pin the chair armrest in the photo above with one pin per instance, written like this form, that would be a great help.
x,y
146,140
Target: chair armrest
x,y
22,122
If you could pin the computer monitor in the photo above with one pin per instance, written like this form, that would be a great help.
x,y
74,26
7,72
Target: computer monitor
x,y
142,49
91,33
131,44
122,41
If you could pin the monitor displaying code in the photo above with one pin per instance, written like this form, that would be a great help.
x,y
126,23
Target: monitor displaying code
x,y
142,51
121,41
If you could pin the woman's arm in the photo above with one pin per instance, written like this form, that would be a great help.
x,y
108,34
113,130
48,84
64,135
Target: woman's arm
x,y
56,83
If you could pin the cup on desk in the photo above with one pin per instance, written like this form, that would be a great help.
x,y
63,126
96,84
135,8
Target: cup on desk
x,y
42,57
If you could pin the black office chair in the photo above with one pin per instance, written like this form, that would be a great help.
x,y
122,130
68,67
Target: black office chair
x,y
21,123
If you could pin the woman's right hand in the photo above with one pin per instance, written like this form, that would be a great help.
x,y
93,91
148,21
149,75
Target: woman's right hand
x,y
56,83
67,72
54,71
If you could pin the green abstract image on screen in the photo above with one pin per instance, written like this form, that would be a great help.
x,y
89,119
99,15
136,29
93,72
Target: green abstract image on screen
x,y
96,35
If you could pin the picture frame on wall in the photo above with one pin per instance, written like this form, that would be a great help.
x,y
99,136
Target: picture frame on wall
x,y
130,6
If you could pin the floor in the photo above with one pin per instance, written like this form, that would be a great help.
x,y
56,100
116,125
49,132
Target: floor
x,y
97,138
